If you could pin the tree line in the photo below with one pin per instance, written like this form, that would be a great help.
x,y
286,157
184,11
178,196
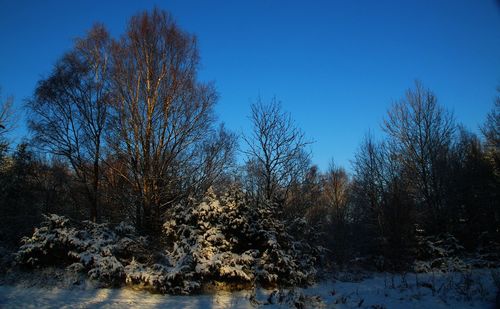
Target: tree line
x,y
123,130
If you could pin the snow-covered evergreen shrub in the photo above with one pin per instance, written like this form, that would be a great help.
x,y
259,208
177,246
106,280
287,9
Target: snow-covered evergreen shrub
x,y
108,271
294,299
101,249
50,244
487,253
161,278
233,240
226,240
440,253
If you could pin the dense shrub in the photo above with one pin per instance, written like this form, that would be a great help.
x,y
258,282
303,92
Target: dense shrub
x,y
225,240
441,253
101,249
237,241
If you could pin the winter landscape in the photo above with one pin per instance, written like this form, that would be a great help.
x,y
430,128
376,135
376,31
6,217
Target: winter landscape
x,y
129,178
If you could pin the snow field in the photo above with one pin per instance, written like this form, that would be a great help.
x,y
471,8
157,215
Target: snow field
x,y
474,289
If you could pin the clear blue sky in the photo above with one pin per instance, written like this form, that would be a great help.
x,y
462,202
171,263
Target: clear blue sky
x,y
335,65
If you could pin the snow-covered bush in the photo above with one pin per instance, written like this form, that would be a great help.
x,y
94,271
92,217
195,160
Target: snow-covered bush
x,y
294,299
220,241
487,253
99,248
441,253
107,270
50,244
161,278
233,240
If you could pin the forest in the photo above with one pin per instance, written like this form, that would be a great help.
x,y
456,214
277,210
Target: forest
x,y
128,178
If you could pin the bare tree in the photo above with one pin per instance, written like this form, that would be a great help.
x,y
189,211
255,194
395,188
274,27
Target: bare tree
x,y
491,127
304,197
369,185
381,202
277,149
6,114
335,198
214,159
336,193
491,133
162,114
70,108
420,134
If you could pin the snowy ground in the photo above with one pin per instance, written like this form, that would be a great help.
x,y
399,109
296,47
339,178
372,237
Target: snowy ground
x,y
453,290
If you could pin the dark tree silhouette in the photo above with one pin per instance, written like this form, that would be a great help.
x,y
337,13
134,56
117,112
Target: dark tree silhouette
x,y
70,108
6,114
420,133
277,149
